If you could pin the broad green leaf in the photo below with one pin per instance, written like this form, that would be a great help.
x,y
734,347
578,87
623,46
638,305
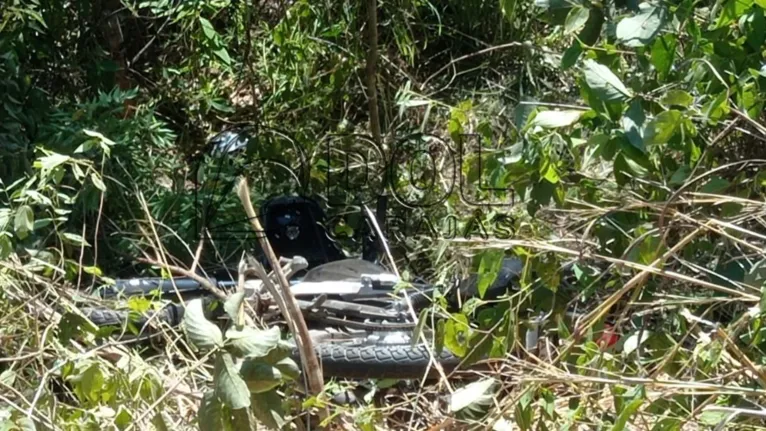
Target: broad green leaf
x,y
89,383
209,415
202,333
571,55
288,368
715,185
489,266
633,123
754,26
456,334
677,98
229,386
233,305
208,29
576,19
554,119
663,52
639,30
124,418
480,393
732,10
48,163
267,408
662,127
24,222
605,84
714,417
253,342
260,376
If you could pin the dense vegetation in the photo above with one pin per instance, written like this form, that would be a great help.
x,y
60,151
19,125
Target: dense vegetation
x,y
616,147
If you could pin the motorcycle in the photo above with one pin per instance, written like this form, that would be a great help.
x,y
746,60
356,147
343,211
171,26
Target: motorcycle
x,y
362,318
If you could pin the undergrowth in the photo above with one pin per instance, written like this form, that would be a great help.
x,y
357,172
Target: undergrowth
x,y
615,148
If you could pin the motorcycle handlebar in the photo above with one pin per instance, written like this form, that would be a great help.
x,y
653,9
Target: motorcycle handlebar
x,y
145,286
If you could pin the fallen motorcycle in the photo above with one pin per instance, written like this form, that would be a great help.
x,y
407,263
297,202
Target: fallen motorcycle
x,y
361,317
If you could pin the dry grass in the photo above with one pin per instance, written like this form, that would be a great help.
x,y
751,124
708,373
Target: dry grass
x,y
703,375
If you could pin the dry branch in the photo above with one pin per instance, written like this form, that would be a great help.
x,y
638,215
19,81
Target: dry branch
x,y
291,310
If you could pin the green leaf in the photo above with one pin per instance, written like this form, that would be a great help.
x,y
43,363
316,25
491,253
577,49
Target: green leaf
x,y
48,163
74,239
571,55
713,417
223,54
717,108
456,334
715,185
755,28
252,342
662,128
550,174
639,30
605,84
576,19
489,266
233,304
663,52
626,413
92,270
208,29
24,221
554,119
259,376
229,386
97,181
123,419
677,98
680,175
267,408
288,368
202,333
6,247
25,424
8,377
732,10
209,415
633,123
101,138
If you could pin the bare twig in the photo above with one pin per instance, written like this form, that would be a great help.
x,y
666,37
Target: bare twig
x,y
186,273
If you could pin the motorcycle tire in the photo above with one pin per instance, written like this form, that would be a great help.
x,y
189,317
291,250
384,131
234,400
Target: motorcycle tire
x,y
171,314
382,361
